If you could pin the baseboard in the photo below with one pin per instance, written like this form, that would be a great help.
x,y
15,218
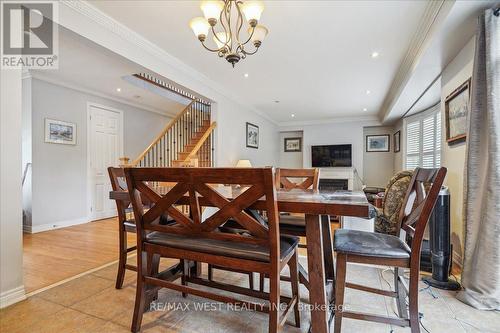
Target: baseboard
x,y
33,229
12,296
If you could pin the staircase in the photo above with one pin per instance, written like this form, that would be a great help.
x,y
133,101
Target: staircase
x,y
186,141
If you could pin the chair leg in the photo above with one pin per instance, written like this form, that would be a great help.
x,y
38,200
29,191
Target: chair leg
x,y
294,280
274,300
413,300
340,273
250,280
400,295
185,273
122,259
140,294
153,268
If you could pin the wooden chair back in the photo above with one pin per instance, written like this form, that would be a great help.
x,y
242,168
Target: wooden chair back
x,y
119,183
196,187
418,204
308,178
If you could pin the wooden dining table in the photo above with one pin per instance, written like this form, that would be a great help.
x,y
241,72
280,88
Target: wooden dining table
x,y
317,207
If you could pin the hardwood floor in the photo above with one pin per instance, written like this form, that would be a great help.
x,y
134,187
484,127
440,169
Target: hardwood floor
x,y
56,255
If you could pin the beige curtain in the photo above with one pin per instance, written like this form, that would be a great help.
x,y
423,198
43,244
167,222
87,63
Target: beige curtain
x,y
481,273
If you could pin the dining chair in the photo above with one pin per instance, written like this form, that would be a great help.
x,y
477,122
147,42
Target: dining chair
x,y
352,246
260,249
290,179
126,223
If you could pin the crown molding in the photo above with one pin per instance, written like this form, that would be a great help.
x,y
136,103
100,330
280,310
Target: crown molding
x,y
69,85
86,9
335,120
433,18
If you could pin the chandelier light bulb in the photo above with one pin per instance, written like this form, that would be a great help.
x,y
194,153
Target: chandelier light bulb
x,y
212,10
200,27
252,10
260,32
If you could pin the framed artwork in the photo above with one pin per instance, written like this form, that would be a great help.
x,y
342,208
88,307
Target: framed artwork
x,y
456,107
252,136
61,132
378,143
397,141
293,145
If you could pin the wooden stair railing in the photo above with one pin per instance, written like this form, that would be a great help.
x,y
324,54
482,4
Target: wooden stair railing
x,y
187,140
197,153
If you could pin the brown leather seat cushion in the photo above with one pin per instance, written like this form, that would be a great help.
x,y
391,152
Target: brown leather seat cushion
x,y
220,247
370,244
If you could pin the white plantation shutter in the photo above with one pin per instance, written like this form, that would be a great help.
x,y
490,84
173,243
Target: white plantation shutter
x,y
423,139
413,145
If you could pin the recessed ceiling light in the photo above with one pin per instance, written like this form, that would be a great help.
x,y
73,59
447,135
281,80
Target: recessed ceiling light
x,y
118,89
375,54
245,75
293,116
276,101
368,92
365,109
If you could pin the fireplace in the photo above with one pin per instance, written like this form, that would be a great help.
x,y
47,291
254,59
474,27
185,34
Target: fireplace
x,y
328,184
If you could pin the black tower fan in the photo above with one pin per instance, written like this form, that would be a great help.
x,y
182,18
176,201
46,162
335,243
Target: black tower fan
x,y
440,244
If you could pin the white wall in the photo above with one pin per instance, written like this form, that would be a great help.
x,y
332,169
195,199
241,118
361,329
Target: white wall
x,y
290,159
231,136
332,133
453,157
11,247
378,167
59,174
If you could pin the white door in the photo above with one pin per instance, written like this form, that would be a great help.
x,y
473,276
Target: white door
x,y
105,144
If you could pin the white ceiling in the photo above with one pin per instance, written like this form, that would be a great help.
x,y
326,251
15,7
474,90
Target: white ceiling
x,y
84,64
458,28
316,60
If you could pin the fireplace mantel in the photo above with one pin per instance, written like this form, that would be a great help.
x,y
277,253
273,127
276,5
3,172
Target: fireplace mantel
x,y
341,173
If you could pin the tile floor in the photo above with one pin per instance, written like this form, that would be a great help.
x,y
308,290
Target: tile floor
x,y
92,304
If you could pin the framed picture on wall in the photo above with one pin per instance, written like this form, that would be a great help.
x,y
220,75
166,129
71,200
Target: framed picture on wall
x,y
252,136
456,107
397,141
293,145
378,143
61,132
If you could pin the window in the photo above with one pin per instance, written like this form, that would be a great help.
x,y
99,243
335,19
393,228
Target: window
x,y
423,139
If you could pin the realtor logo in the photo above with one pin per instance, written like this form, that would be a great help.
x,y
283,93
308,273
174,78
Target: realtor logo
x,y
29,34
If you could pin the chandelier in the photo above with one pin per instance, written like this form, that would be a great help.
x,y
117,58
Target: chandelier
x,y
225,20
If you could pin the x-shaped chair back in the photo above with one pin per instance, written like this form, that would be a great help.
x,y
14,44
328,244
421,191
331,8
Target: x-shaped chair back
x,y
308,178
196,187
418,204
119,183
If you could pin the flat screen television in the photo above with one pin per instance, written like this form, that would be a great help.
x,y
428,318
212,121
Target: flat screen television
x,y
331,156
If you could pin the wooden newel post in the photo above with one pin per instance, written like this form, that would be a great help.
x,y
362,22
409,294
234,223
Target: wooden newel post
x,y
124,161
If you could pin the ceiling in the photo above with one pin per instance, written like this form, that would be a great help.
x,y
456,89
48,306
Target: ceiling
x,y
86,65
316,60
423,90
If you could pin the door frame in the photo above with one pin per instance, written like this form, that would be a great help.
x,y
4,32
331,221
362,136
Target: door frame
x,y
120,153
